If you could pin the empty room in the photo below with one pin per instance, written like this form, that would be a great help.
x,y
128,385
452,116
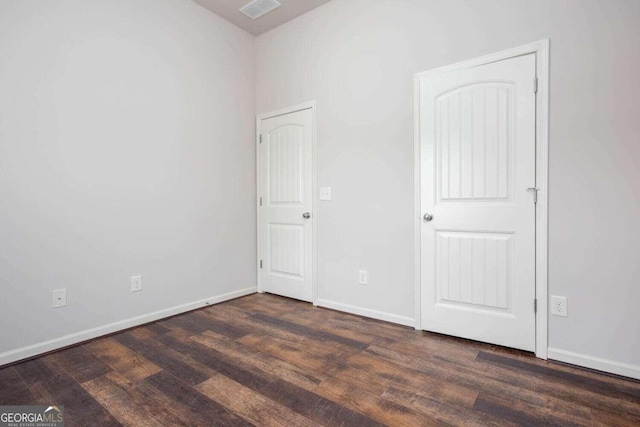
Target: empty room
x,y
319,212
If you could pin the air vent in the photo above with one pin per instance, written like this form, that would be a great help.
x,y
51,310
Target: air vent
x,y
257,8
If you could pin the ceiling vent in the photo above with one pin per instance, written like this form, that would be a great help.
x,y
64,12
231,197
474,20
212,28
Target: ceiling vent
x,y
257,8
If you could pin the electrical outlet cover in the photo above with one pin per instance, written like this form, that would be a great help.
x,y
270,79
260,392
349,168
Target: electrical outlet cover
x,y
325,193
559,306
136,283
58,298
362,277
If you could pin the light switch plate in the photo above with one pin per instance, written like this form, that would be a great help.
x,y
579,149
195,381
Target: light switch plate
x,y
325,193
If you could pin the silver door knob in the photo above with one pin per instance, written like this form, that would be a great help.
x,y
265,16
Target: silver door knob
x,y
306,215
427,217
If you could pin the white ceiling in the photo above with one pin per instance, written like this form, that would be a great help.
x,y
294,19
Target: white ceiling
x,y
229,10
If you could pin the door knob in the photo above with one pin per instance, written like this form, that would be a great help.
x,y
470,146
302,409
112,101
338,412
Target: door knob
x,y
306,215
427,217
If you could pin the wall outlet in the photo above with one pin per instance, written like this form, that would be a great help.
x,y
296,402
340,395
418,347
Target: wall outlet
x,y
58,298
559,306
325,193
136,283
362,277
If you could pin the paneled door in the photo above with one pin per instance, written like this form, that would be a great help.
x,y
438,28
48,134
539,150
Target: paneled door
x,y
285,187
478,179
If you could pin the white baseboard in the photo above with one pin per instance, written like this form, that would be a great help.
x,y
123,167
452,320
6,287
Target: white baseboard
x,y
605,365
360,311
78,337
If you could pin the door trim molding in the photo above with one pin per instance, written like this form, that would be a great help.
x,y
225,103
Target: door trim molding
x,y
541,50
310,105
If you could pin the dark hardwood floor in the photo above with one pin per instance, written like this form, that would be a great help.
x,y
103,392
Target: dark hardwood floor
x,y
264,360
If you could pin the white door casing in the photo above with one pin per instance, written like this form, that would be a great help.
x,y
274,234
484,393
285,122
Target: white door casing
x,y
478,160
286,203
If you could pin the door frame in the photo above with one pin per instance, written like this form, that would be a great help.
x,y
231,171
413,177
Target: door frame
x,y
309,105
541,50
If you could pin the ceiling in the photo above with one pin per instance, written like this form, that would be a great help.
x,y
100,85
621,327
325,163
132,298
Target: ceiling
x,y
229,10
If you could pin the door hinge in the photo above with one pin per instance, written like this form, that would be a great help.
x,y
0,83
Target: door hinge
x,y
260,137
260,201
535,305
260,263
535,193
535,85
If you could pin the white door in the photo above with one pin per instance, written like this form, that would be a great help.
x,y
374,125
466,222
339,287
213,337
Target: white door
x,y
477,142
285,197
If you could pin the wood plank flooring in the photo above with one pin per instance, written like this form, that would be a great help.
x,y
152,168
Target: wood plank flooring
x,y
269,361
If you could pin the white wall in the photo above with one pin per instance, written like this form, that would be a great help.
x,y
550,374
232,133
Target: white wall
x,y
357,58
126,147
